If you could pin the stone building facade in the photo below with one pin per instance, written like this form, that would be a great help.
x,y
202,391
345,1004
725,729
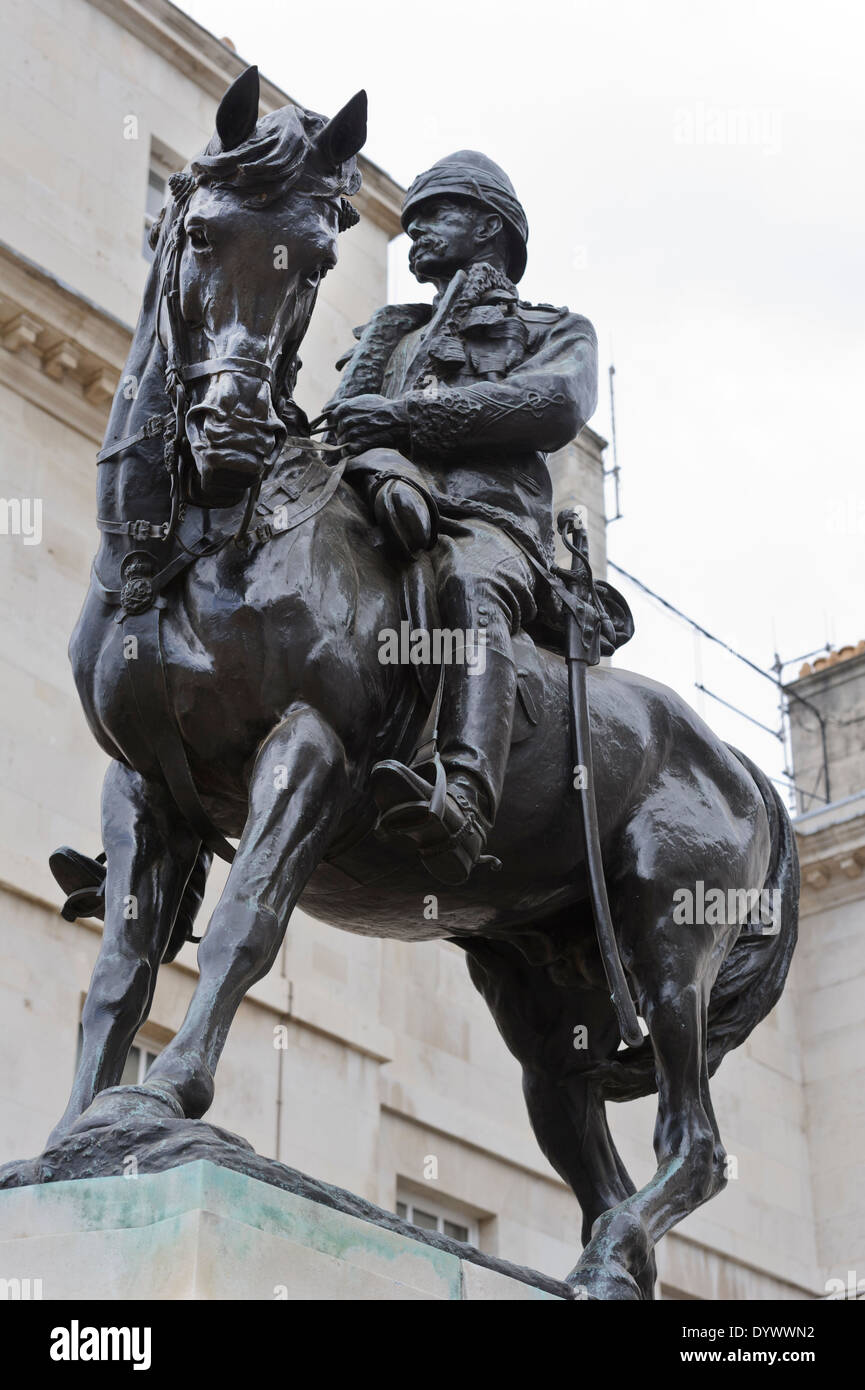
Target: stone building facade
x,y
394,1082
827,721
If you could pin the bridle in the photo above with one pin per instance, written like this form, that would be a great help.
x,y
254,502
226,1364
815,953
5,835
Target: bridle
x,y
178,374
141,587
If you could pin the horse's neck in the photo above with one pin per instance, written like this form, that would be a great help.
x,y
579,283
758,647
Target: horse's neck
x,y
134,484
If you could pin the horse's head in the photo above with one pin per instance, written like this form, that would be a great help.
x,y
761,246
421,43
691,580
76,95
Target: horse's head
x,y
250,233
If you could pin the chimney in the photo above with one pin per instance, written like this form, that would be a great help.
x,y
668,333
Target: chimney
x,y
826,708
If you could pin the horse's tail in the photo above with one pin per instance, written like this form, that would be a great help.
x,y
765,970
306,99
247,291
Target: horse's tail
x,y
751,979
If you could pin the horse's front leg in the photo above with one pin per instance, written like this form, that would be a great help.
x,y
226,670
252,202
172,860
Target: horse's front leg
x,y
297,794
150,855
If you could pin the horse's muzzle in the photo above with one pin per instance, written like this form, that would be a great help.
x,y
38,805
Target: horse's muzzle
x,y
233,451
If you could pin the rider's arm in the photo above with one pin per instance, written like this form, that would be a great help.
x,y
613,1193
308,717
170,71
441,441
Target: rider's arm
x,y
541,405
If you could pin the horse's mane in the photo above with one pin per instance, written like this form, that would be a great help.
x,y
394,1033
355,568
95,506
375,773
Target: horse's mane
x,y
271,161
274,159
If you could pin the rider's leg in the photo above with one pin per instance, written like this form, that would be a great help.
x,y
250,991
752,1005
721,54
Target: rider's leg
x,y
478,701
484,587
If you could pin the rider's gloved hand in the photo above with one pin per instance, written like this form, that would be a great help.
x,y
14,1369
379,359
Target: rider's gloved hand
x,y
369,422
405,515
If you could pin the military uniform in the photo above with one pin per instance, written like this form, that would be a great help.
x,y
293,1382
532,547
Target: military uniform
x,y
491,384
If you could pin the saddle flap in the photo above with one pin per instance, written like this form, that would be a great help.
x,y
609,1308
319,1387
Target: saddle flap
x,y
530,688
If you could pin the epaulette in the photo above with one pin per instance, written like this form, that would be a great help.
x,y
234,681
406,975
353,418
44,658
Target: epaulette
x,y
541,313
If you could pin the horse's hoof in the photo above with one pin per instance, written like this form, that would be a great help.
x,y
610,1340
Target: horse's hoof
x,y
115,1104
604,1284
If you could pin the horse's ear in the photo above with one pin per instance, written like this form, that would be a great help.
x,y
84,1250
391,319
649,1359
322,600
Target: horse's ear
x,y
344,135
238,110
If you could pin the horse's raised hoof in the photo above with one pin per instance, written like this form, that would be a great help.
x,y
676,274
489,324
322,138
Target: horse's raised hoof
x,y
82,880
604,1284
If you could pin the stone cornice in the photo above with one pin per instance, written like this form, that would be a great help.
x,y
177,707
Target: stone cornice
x,y
837,672
57,349
832,854
201,56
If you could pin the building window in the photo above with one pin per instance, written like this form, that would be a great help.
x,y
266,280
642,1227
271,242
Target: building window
x,y
436,1216
162,165
142,1055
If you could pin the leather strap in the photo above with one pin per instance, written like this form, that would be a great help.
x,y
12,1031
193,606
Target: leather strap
x,y
149,681
164,577
552,578
157,424
245,365
138,530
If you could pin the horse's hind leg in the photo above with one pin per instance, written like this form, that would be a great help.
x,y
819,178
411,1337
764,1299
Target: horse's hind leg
x,y
298,791
687,1145
150,855
538,1020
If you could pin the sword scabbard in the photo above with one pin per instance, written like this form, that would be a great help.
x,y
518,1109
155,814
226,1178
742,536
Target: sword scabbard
x,y
582,649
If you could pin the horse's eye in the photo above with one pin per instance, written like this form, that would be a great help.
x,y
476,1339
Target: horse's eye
x,y
198,238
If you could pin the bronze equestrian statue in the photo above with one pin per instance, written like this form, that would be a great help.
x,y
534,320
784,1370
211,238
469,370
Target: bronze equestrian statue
x,y
227,658
452,408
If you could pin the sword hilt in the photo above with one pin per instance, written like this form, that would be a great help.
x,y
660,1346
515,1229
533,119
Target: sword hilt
x,y
571,526
584,641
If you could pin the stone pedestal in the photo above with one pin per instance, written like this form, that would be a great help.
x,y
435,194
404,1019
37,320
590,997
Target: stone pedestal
x,y
204,1232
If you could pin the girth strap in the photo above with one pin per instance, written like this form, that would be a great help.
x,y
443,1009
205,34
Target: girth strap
x,y
149,681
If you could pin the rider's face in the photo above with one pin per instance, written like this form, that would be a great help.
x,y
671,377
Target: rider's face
x,y
447,235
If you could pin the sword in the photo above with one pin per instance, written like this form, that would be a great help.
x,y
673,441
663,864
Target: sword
x,y
583,650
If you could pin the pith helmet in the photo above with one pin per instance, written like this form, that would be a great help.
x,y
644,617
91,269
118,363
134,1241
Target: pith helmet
x,y
470,174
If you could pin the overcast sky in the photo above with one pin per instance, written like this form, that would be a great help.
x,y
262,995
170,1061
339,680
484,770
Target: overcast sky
x,y
693,179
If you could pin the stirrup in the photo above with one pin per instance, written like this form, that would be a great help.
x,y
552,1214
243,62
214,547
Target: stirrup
x,y
449,837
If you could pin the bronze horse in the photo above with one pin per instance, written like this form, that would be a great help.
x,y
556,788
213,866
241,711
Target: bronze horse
x,y
254,651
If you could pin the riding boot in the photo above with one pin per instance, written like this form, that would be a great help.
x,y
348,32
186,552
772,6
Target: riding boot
x,y
450,831
475,729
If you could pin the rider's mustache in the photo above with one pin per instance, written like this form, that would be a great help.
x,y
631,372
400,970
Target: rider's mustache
x,y
427,245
